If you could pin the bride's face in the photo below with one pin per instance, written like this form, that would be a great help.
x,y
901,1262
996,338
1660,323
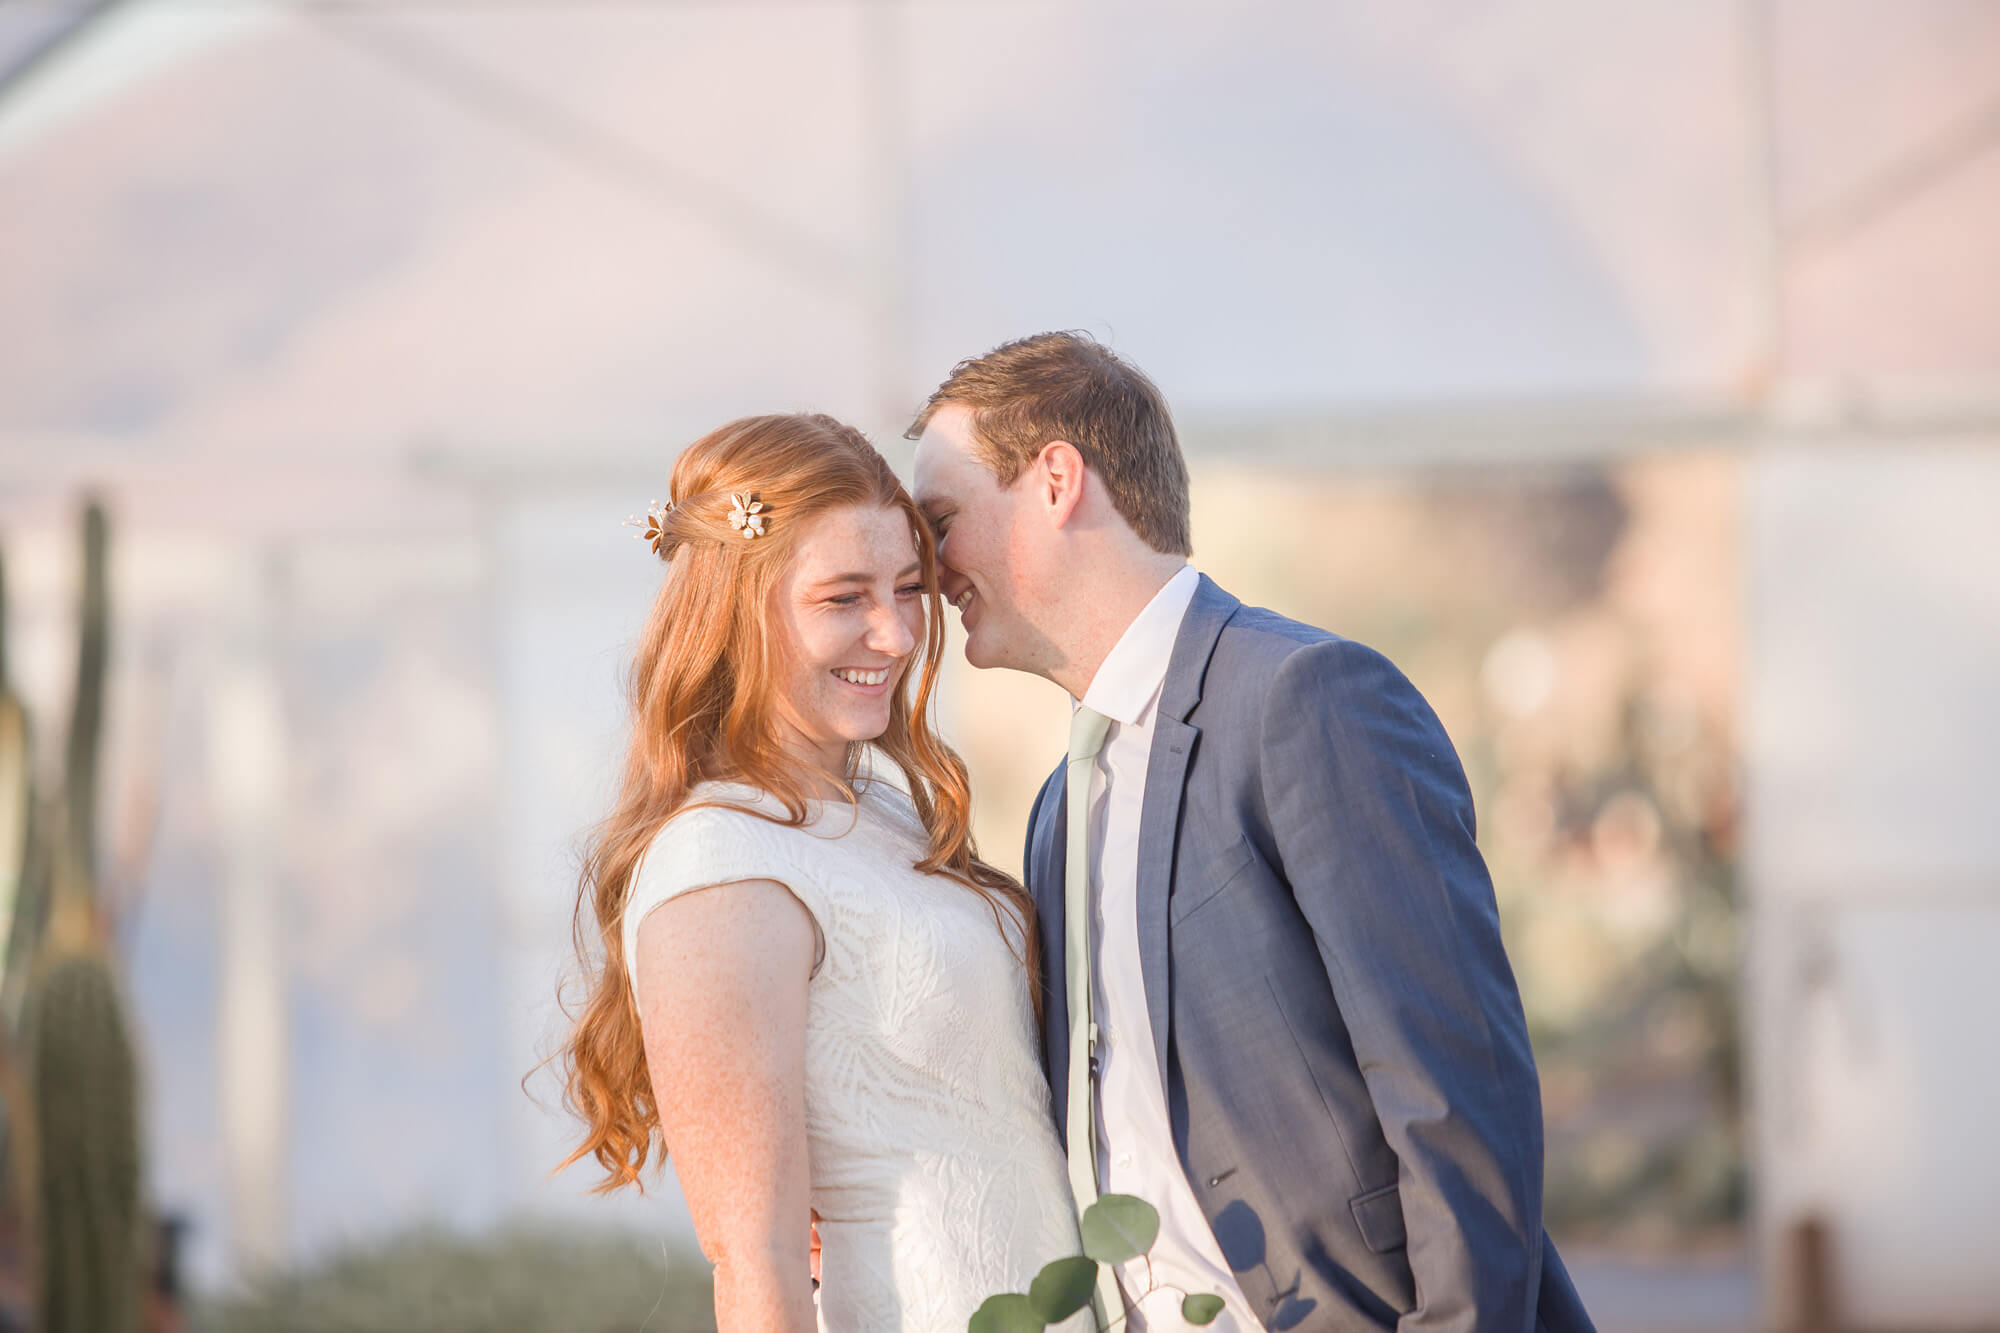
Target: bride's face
x,y
850,610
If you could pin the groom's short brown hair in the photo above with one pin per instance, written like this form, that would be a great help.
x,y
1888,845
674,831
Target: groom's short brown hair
x,y
1068,386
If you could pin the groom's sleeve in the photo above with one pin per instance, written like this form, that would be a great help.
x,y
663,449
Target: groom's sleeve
x,y
1374,828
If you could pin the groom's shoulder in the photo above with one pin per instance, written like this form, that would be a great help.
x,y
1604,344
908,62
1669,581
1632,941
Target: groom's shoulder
x,y
1260,631
1257,641
1258,647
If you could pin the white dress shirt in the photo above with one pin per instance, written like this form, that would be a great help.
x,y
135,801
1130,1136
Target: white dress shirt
x,y
1135,1144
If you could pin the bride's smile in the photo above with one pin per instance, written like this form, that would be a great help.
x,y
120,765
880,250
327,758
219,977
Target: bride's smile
x,y
850,614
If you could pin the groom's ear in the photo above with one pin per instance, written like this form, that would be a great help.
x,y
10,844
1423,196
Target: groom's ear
x,y
1059,476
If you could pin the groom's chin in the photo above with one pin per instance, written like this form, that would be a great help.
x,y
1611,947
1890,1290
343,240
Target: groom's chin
x,y
975,654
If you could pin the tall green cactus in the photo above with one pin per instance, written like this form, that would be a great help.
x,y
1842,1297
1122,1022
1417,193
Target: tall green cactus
x,y
86,724
17,801
82,1073
79,1180
17,934
84,1085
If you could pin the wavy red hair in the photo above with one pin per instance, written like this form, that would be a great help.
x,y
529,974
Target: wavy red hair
x,y
702,710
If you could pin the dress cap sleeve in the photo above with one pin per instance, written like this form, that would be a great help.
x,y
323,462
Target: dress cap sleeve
x,y
711,845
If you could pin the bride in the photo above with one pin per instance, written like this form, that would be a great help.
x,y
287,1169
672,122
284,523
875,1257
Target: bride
x,y
802,979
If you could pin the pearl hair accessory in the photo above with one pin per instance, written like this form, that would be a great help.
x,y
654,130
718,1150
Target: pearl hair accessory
x,y
653,528
748,516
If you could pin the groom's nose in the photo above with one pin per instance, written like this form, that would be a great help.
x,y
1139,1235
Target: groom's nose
x,y
951,582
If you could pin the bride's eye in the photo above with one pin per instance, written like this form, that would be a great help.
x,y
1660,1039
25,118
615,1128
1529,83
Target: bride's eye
x,y
910,590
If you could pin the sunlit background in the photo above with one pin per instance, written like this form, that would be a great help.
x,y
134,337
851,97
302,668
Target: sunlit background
x,y
1628,371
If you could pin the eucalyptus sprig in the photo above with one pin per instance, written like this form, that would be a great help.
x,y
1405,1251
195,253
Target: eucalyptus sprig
x,y
1116,1229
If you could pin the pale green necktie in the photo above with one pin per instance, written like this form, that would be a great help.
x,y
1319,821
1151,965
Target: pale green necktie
x,y
1086,738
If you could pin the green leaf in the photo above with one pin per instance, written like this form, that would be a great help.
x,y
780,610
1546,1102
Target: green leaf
x,y
1201,1308
1119,1227
1063,1287
1006,1313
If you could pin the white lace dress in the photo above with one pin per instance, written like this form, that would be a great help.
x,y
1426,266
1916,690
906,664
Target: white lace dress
x,y
935,1166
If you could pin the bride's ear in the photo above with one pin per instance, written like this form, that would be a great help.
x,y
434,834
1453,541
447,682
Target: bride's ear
x,y
1060,473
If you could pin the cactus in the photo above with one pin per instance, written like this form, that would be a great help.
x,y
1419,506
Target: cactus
x,y
18,917
17,800
86,725
82,1074
84,1086
72,1123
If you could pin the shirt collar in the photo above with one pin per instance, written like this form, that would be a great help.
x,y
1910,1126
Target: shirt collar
x,y
1129,681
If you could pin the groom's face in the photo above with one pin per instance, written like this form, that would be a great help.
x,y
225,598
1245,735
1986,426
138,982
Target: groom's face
x,y
990,550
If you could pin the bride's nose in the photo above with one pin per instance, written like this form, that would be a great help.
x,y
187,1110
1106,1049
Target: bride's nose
x,y
888,635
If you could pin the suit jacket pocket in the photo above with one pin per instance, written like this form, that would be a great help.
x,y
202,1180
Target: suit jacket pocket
x,y
1379,1214
1194,893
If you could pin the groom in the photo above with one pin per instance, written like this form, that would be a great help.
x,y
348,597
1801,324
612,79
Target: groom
x,y
1277,1006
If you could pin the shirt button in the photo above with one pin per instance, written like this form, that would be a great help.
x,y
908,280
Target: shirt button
x,y
1125,1160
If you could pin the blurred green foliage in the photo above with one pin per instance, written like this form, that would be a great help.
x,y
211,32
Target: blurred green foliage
x,y
518,1279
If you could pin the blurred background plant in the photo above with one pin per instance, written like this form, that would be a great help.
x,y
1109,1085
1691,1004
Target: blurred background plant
x,y
510,1280
72,1188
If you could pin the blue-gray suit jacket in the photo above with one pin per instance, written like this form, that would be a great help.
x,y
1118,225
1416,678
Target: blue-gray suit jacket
x,y
1347,1068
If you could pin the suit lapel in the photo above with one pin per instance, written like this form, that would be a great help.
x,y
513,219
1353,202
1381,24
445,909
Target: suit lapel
x,y
1159,830
1045,871
1166,780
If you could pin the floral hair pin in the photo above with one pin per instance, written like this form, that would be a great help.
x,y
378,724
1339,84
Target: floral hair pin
x,y
748,515
653,528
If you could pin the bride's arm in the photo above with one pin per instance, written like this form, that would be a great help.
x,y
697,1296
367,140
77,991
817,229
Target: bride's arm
x,y
722,977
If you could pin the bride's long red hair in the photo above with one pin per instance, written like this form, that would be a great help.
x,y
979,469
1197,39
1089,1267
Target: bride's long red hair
x,y
702,709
